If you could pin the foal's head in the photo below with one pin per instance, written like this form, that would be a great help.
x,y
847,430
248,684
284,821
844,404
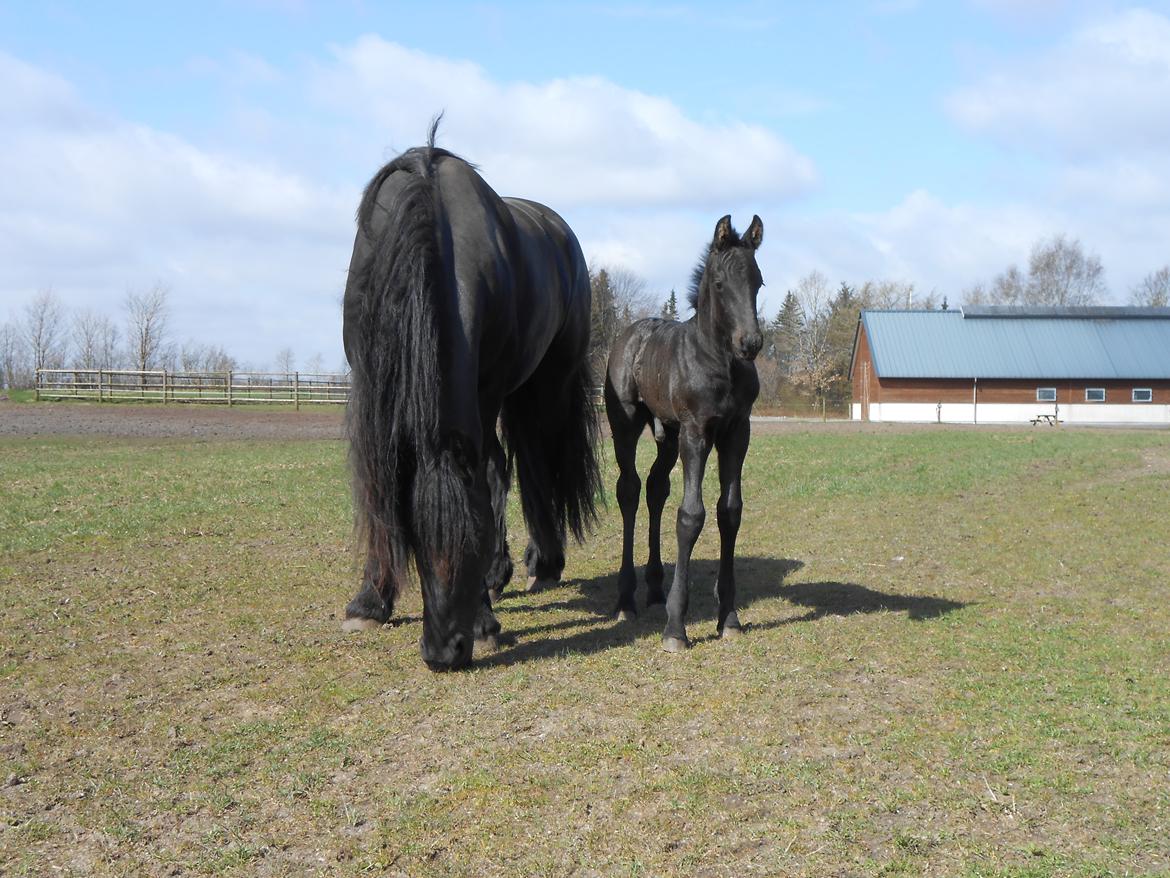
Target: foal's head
x,y
725,286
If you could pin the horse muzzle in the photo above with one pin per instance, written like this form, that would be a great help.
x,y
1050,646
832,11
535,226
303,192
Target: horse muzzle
x,y
748,344
450,654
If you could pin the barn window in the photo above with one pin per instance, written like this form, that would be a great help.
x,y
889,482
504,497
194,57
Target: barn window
x,y
1045,394
1094,394
1143,394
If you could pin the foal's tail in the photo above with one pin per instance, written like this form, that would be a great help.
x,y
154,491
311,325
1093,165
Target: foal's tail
x,y
407,495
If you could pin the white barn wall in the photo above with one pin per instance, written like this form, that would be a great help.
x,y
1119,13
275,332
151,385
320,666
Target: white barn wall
x,y
1013,413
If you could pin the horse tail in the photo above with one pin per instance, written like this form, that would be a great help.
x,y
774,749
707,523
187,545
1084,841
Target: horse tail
x,y
407,492
551,429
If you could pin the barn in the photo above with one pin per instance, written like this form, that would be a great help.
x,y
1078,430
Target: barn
x,y
1000,364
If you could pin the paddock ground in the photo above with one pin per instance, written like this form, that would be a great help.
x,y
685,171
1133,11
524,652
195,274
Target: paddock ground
x,y
957,662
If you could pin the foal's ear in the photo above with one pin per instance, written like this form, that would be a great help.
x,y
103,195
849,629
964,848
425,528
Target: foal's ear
x,y
755,233
723,233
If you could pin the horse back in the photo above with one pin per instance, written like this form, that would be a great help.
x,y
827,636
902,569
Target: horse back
x,y
661,365
552,292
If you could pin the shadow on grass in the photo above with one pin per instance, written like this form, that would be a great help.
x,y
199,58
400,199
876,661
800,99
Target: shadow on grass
x,y
595,629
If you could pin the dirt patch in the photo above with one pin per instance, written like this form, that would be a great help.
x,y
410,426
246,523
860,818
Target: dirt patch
x,y
159,421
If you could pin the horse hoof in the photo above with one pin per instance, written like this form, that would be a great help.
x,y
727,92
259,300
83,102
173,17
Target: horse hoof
x,y
535,584
359,623
731,633
627,616
655,597
675,644
496,595
483,645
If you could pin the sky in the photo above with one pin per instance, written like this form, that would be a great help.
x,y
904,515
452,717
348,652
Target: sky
x,y
221,148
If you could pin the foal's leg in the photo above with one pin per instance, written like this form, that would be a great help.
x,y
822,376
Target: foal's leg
x,y
500,567
694,447
732,448
657,490
626,426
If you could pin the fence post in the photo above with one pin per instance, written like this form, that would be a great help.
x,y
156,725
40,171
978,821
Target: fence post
x,y
297,391
99,385
37,386
229,387
164,386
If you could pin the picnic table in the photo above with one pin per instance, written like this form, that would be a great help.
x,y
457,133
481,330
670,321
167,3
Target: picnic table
x,y
1050,420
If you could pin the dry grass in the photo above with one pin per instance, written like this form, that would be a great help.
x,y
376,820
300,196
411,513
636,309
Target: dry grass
x,y
957,664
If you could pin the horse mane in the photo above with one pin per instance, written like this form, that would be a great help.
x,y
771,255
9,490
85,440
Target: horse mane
x,y
733,240
392,418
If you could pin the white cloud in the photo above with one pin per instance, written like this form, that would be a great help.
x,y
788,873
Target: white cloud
x,y
569,142
1104,89
98,205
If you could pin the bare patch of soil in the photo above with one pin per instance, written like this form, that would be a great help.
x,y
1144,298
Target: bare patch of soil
x,y
162,421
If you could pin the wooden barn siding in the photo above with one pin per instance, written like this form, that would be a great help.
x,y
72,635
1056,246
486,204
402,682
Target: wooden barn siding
x,y
991,390
1010,391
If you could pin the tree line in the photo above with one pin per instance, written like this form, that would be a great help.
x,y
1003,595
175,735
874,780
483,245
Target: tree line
x,y
804,363
46,335
808,343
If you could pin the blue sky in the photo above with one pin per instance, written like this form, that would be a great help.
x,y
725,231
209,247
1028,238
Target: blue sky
x,y
220,148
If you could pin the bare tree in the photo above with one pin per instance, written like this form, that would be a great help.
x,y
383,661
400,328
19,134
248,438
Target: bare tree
x,y
147,316
1009,288
315,364
1060,273
630,299
976,294
196,357
13,357
95,341
286,360
813,365
44,330
886,295
619,298
1154,290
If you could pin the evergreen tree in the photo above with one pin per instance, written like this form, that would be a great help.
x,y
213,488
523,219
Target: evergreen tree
x,y
604,321
670,309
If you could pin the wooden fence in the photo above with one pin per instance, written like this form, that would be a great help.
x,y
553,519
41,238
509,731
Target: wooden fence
x,y
218,388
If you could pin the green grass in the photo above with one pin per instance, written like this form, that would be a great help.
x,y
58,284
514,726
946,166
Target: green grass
x,y
957,663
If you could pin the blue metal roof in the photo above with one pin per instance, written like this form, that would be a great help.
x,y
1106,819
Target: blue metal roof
x,y
1099,343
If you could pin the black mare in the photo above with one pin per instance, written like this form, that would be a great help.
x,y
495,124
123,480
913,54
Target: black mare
x,y
461,309
695,383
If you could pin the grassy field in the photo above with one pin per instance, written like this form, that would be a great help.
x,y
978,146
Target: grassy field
x,y
957,663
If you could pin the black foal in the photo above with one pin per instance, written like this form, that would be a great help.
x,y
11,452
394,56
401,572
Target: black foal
x,y
695,382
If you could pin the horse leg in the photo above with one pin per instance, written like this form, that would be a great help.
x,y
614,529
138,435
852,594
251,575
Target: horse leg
x,y
732,449
694,448
657,490
500,569
373,605
625,428
451,574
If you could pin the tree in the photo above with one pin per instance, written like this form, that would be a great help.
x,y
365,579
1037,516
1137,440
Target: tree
x,y
1060,273
147,316
603,321
286,360
785,331
1154,290
619,298
670,307
813,366
95,341
13,362
1009,288
44,330
315,364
